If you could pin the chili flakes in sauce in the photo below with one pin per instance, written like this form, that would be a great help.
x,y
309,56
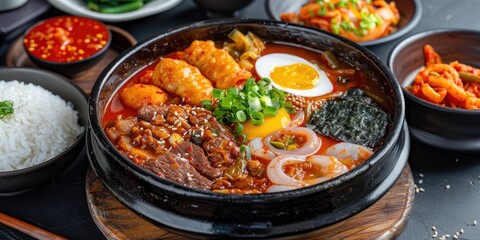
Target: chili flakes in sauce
x,y
66,39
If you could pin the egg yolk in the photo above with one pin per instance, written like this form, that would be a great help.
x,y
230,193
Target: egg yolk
x,y
270,124
296,76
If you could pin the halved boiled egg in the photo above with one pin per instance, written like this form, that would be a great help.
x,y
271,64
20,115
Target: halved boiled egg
x,y
294,74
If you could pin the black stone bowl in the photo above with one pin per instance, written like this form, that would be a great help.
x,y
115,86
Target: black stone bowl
x,y
19,181
203,213
442,127
69,69
410,14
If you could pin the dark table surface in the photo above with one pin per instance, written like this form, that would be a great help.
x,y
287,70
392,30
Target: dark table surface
x,y
60,205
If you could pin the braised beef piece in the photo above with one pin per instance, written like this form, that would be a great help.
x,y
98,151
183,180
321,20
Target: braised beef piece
x,y
175,168
197,158
148,113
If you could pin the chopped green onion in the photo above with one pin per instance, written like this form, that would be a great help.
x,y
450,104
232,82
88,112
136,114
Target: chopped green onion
x,y
278,144
257,118
335,27
246,150
253,102
238,128
270,111
6,108
322,11
207,104
241,116
218,93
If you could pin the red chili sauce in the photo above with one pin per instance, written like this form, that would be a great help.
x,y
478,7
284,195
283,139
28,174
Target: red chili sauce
x,y
66,39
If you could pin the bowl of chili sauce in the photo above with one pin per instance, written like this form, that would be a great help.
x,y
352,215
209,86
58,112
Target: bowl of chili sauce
x,y
67,45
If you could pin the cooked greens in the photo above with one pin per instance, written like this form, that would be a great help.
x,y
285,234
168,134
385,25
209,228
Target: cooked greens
x,y
6,108
114,6
353,118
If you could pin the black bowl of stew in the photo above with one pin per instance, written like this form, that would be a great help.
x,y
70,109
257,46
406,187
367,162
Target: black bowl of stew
x,y
196,212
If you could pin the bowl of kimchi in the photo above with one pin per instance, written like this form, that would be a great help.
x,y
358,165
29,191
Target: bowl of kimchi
x,y
205,131
365,22
439,71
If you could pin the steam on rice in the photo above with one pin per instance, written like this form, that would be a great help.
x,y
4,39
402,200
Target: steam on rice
x,y
41,127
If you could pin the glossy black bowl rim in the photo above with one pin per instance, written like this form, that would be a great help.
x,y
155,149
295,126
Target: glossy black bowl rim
x,y
407,28
389,142
413,38
78,140
66,64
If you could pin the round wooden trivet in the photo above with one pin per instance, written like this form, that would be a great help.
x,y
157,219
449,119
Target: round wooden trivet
x,y
121,40
383,220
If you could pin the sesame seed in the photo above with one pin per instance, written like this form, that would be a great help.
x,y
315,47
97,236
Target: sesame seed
x,y
420,174
447,235
422,190
457,233
461,230
474,222
435,234
447,187
420,181
455,236
434,228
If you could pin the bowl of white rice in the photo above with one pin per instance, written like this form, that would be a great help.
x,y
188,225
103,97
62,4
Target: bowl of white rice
x,y
42,127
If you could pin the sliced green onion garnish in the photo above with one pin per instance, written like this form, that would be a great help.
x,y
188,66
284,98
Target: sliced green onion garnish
x,y
270,111
218,93
207,104
257,118
246,150
241,116
6,108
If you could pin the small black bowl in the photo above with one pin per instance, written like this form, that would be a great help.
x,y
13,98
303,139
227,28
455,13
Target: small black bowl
x,y
204,213
74,68
442,127
19,181
410,14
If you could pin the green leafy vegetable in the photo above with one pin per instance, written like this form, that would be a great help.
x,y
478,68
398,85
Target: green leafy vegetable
x,y
114,6
6,108
353,117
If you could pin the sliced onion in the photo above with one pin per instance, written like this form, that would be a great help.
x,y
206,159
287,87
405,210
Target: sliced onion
x,y
349,151
276,174
298,119
259,150
310,147
280,188
330,167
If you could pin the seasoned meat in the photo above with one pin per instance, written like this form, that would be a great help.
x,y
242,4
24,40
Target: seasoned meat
x,y
220,145
197,158
175,168
148,113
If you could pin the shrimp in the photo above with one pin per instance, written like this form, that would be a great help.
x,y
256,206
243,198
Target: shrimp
x,y
350,154
322,167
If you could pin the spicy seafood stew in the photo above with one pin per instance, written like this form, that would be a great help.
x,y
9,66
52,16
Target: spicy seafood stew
x,y
253,178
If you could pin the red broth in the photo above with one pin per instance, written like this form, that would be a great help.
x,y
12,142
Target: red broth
x,y
66,39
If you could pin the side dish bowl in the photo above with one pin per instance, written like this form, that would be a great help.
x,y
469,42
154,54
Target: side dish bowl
x,y
18,181
442,127
76,39
203,213
410,14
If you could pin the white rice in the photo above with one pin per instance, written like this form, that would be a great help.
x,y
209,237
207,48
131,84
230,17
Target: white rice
x,y
41,127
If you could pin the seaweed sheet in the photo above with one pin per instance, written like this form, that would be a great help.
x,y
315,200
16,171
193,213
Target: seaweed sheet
x,y
353,118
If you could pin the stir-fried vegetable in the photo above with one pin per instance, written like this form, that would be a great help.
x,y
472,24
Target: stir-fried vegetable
x,y
245,49
255,101
353,118
6,108
114,6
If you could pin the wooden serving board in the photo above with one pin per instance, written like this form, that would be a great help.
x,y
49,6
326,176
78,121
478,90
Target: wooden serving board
x,y
383,220
121,40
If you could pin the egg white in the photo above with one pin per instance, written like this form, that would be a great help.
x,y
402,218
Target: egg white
x,y
265,65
